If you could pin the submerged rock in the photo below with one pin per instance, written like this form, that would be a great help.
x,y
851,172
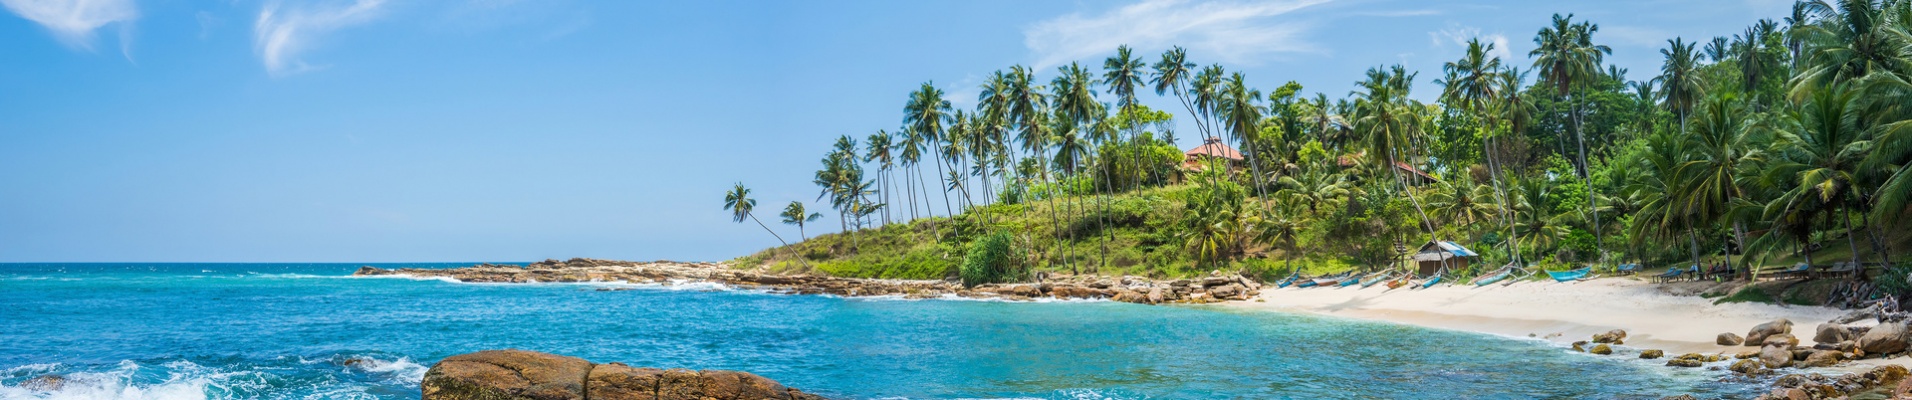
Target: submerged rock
x,y
1682,362
44,383
1747,366
1615,336
528,375
1652,354
1728,339
1758,335
1601,349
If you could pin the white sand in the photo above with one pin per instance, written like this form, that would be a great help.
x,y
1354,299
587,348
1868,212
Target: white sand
x,y
1561,312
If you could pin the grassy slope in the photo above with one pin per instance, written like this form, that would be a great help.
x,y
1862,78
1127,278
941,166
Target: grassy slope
x,y
1137,227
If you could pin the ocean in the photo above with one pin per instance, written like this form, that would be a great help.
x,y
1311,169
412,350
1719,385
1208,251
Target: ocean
x,y
313,331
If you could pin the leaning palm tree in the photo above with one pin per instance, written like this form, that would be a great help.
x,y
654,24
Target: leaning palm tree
x,y
1389,122
1473,84
1123,73
1171,76
739,203
794,214
1567,58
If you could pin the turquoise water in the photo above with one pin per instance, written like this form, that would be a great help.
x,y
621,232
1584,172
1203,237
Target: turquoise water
x,y
286,331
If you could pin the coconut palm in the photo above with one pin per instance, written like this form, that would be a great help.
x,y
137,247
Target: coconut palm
x,y
1389,122
880,150
1122,74
1722,152
794,214
1241,120
1821,157
739,203
928,114
1852,38
1566,57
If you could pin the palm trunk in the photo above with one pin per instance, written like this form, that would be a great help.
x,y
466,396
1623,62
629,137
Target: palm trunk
x,y
946,205
786,245
1586,178
924,186
1693,240
1846,217
1411,199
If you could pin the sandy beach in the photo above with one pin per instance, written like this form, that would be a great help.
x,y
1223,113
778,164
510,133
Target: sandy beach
x,y
1561,312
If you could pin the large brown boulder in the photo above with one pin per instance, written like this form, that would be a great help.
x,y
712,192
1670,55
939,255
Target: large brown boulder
x,y
1728,339
1775,357
1652,354
527,375
1887,338
1601,349
1758,335
1831,333
1781,340
1823,358
506,375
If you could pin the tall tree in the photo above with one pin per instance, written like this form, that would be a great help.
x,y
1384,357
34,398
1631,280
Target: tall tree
x,y
1567,57
739,203
928,115
794,214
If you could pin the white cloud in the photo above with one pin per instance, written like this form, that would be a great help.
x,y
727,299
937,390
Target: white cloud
x,y
281,33
1459,35
73,21
1225,31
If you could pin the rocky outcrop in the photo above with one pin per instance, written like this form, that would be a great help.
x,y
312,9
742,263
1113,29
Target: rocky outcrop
x,y
1728,339
1886,381
45,383
1783,340
1758,335
528,375
1652,354
1775,357
1216,287
1887,338
1601,349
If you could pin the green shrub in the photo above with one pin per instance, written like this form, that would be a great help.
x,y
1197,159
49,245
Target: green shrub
x,y
1896,281
990,261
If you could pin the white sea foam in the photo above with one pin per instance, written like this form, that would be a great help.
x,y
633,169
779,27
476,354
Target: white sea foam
x,y
117,384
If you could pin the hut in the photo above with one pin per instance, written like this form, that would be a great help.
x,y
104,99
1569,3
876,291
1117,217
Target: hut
x,y
1437,254
1196,159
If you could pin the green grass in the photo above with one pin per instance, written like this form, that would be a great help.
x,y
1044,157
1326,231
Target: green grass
x,y
1749,294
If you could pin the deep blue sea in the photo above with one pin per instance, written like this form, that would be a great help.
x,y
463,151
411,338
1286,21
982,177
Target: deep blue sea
x,y
311,331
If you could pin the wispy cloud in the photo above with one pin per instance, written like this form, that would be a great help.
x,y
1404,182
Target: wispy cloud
x,y
73,21
281,33
1459,35
1226,31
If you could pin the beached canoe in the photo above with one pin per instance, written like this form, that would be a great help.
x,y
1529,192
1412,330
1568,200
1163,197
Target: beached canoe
x,y
1351,281
1490,279
1431,281
1289,281
1305,283
1570,275
1371,281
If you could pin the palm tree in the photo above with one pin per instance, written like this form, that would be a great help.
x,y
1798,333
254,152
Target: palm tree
x,y
1389,122
1123,73
927,114
794,214
1079,112
1473,83
1680,83
1242,118
880,151
1171,76
1722,152
1821,158
1853,39
739,203
1567,57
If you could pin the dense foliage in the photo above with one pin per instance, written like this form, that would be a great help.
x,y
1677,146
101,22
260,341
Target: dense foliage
x,y
1787,142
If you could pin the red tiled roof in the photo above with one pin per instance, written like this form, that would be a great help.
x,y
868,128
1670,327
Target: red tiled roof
x,y
1404,167
1215,148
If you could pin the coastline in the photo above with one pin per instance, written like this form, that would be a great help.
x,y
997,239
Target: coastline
x,y
1558,312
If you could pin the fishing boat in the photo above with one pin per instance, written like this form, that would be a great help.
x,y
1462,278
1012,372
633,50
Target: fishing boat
x,y
1304,283
1331,280
1352,281
1489,279
1288,281
1386,276
1431,281
1570,275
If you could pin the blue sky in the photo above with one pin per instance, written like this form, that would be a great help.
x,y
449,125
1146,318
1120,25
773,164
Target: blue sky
x,y
502,130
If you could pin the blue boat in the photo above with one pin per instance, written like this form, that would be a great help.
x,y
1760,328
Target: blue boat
x,y
1490,279
1570,275
1305,283
1431,282
1377,279
1285,282
1351,281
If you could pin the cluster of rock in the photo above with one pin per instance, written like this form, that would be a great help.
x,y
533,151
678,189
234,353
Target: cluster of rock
x,y
1834,342
1216,287
527,375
